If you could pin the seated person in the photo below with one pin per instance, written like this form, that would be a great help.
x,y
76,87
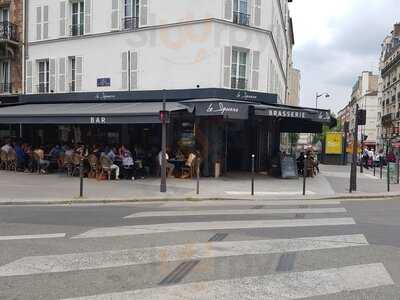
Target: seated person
x,y
170,167
300,163
127,164
43,163
22,157
110,155
7,147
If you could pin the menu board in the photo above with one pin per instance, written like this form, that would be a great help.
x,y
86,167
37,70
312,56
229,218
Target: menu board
x,y
289,167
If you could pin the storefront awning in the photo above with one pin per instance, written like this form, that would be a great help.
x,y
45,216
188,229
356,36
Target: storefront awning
x,y
87,113
228,109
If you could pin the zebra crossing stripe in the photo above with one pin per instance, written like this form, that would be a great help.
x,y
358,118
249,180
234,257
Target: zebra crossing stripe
x,y
108,259
216,225
251,203
31,237
283,286
171,213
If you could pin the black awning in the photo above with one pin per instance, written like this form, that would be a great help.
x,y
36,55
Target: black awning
x,y
282,111
228,109
86,113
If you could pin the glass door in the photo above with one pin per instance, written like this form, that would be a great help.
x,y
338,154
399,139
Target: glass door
x,y
131,14
77,18
5,86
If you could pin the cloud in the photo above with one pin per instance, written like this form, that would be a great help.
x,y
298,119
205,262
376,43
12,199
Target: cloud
x,y
336,40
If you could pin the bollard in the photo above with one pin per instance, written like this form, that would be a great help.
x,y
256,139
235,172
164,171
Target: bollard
x,y
305,171
81,178
198,177
252,174
397,171
388,176
381,169
374,168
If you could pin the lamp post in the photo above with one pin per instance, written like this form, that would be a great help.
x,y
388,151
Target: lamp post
x,y
317,96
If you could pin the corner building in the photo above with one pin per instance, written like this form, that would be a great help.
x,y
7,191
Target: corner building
x,y
222,66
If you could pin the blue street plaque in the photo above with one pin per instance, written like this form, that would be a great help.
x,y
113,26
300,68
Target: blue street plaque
x,y
103,82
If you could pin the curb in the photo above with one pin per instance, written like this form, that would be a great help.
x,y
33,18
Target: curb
x,y
74,201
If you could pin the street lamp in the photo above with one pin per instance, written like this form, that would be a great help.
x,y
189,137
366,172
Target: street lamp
x,y
317,96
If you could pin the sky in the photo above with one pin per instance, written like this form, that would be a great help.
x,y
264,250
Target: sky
x,y
335,40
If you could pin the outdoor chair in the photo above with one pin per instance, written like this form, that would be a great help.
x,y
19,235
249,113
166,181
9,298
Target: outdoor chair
x,y
12,161
76,162
68,164
94,166
105,164
3,160
189,168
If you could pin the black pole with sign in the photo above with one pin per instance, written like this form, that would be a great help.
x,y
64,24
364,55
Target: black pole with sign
x,y
252,173
353,173
305,173
81,178
388,170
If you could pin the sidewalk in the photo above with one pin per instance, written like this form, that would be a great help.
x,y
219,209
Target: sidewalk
x,y
332,182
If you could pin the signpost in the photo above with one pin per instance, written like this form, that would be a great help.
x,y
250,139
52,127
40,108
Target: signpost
x,y
353,173
163,116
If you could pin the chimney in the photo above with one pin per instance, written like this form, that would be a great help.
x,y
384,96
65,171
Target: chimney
x,y
396,31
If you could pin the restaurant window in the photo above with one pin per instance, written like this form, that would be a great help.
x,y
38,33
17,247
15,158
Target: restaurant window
x,y
239,69
77,17
241,12
43,67
131,14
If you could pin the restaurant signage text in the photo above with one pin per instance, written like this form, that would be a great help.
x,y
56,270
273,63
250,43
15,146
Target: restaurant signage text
x,y
98,120
286,113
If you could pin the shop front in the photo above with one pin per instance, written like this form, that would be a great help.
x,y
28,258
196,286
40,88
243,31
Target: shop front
x,y
225,127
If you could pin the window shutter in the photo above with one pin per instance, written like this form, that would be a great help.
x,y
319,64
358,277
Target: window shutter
x,y
227,66
88,10
52,75
144,11
134,70
61,74
38,23
114,14
255,70
228,10
257,13
63,18
78,73
45,22
124,68
29,77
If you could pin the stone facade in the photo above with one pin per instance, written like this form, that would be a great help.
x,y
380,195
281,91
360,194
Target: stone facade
x,y
14,49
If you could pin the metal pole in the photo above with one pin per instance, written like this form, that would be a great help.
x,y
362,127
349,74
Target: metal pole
x,y
381,167
81,178
353,174
198,177
397,170
163,184
252,174
388,176
373,163
305,172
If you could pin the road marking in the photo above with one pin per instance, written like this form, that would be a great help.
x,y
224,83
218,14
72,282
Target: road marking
x,y
215,225
239,212
296,285
110,259
252,203
31,237
292,193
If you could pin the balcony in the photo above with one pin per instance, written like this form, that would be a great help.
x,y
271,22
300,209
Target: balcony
x,y
241,18
8,32
239,83
130,23
5,88
76,29
42,88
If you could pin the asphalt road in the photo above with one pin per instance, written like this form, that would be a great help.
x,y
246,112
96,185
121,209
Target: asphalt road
x,y
208,250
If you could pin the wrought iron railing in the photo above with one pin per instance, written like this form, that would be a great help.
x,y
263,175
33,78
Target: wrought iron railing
x,y
241,18
43,88
5,88
8,31
130,23
76,29
239,83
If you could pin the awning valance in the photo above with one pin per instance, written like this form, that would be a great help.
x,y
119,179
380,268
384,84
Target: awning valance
x,y
86,113
228,109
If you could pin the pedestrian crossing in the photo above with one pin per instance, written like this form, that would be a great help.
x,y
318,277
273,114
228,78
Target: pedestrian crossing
x,y
229,240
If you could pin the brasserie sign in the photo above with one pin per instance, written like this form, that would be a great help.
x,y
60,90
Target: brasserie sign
x,y
283,113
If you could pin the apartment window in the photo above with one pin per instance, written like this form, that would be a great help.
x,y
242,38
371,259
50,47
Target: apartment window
x,y
5,85
72,68
78,18
241,12
131,14
239,69
43,67
4,14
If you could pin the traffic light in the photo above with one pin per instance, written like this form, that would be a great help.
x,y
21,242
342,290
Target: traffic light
x,y
164,116
364,137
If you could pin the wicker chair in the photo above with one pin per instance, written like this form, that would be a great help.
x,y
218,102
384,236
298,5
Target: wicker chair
x,y
3,160
68,164
35,162
12,161
105,163
76,162
189,167
94,166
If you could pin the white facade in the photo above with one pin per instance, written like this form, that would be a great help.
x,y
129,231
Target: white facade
x,y
96,45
